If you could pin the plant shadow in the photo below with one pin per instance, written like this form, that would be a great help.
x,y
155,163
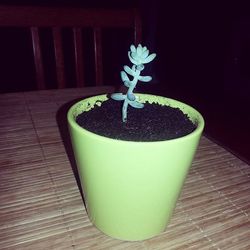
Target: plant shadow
x,y
61,118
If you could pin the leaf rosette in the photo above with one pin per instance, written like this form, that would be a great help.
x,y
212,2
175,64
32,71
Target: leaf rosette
x,y
140,55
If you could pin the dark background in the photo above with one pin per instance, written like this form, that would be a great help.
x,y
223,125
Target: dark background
x,y
203,58
193,39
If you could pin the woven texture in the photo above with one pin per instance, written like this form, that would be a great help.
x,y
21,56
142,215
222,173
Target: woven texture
x,y
41,206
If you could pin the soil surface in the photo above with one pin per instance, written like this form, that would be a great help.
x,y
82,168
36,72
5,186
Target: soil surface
x,y
151,123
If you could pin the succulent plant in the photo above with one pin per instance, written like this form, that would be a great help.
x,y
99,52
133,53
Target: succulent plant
x,y
138,56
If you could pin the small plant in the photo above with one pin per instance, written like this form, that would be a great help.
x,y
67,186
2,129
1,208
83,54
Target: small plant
x,y
138,56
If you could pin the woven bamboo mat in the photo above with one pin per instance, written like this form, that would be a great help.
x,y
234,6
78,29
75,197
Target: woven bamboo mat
x,y
41,206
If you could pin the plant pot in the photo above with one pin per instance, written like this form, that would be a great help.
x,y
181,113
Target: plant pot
x,y
131,188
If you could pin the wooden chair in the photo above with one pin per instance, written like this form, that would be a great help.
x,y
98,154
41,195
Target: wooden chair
x,y
35,18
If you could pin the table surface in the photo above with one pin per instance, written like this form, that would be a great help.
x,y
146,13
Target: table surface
x,y
41,206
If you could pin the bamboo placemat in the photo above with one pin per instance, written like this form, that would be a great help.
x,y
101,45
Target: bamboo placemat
x,y
41,206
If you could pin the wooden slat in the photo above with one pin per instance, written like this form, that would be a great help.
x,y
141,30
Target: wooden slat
x,y
73,18
59,57
78,57
36,45
24,16
98,55
138,28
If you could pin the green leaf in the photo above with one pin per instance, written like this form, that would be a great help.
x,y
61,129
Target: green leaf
x,y
145,53
131,59
145,78
132,48
118,96
131,97
124,76
136,104
129,70
140,67
149,58
127,83
139,50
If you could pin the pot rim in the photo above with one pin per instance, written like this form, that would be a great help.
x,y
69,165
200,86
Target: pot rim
x,y
199,120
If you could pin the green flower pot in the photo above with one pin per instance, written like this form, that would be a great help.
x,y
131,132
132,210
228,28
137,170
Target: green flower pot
x,y
131,188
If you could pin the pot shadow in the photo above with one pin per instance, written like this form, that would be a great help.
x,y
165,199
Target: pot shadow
x,y
61,118
62,123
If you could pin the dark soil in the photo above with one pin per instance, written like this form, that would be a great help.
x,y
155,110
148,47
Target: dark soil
x,y
151,123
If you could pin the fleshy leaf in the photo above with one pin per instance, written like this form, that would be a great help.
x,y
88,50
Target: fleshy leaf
x,y
132,48
124,76
127,83
150,58
131,96
118,96
136,104
139,50
140,67
145,78
133,54
145,53
131,59
129,70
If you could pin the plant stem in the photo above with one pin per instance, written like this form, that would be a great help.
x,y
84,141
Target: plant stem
x,y
129,93
124,110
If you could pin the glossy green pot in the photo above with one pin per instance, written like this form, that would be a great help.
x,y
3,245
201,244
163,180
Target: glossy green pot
x,y
131,188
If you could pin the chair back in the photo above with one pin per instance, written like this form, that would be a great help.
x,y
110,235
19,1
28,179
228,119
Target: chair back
x,y
75,19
